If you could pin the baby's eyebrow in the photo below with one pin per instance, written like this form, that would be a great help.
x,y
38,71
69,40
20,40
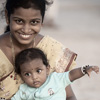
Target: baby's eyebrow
x,y
39,68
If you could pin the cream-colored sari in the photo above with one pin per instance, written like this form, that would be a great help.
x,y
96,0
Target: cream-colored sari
x,y
60,59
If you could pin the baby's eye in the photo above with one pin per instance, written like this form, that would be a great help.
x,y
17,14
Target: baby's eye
x,y
27,74
39,70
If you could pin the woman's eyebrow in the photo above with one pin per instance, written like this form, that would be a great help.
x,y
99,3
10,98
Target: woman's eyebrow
x,y
23,19
17,18
36,19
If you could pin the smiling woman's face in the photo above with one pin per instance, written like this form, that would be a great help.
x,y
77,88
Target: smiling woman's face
x,y
25,24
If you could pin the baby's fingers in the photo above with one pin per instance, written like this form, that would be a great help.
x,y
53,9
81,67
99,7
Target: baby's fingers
x,y
89,74
95,69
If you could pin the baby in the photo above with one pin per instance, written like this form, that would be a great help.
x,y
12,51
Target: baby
x,y
33,67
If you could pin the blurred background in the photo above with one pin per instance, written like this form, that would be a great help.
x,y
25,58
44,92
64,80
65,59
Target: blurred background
x,y
76,24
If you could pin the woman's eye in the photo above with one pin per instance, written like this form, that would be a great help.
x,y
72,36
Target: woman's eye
x,y
35,22
39,71
27,74
19,21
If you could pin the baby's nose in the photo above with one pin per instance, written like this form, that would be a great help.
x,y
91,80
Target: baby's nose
x,y
34,76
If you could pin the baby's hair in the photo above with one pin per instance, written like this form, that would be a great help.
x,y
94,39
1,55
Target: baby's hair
x,y
12,5
29,55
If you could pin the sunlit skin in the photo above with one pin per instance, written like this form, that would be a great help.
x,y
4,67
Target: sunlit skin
x,y
34,73
25,24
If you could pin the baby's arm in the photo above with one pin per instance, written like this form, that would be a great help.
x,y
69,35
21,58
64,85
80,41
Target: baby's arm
x,y
79,72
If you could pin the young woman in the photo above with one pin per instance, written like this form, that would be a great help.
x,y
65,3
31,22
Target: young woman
x,y
25,19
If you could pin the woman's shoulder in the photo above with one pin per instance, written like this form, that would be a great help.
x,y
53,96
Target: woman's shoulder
x,y
47,38
4,39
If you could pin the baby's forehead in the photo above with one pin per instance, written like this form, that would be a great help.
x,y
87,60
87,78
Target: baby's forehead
x,y
37,62
32,68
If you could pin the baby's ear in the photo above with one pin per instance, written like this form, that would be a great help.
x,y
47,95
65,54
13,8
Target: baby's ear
x,y
48,69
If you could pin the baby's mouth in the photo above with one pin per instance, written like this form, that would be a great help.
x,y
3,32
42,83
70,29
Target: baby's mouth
x,y
36,83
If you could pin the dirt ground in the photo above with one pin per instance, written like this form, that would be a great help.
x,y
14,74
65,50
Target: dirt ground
x,y
78,28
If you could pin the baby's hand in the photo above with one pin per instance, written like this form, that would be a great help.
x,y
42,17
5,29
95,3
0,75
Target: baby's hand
x,y
89,69
2,98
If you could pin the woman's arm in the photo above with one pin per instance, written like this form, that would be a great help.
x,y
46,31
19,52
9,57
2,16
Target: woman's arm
x,y
70,94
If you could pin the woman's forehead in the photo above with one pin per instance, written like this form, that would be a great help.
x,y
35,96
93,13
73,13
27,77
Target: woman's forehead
x,y
27,12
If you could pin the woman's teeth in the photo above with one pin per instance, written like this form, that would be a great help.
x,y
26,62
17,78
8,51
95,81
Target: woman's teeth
x,y
25,36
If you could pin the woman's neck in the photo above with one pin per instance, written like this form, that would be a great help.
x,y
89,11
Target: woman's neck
x,y
20,46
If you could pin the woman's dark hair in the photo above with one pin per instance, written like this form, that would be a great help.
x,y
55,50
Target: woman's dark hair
x,y
11,5
29,55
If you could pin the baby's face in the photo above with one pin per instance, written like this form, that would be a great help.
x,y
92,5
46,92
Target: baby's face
x,y
34,73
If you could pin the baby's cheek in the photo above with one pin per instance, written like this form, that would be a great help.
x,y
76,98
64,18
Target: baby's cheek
x,y
28,80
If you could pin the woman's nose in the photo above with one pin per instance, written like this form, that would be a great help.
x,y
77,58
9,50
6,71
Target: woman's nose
x,y
26,29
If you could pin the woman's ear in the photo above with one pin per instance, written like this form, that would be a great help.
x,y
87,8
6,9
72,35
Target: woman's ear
x,y
6,17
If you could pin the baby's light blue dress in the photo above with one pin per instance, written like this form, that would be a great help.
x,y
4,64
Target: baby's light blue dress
x,y
52,89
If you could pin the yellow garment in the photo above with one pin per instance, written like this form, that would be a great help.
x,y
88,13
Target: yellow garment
x,y
59,58
8,84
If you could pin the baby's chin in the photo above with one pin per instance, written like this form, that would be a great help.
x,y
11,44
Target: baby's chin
x,y
35,85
